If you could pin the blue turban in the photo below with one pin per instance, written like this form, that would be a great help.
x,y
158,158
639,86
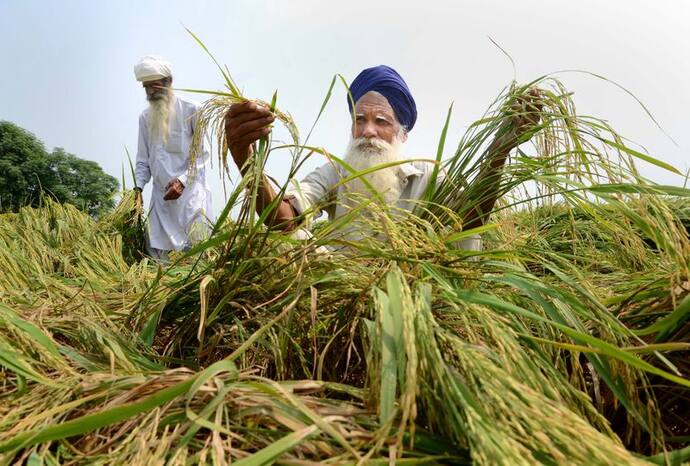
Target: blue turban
x,y
387,82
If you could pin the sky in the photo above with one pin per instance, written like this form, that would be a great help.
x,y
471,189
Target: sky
x,y
66,67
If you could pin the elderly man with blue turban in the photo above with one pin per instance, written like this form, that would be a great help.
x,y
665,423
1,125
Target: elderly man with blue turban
x,y
384,113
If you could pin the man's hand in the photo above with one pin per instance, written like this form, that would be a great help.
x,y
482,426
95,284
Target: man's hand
x,y
173,190
526,111
138,199
524,114
245,124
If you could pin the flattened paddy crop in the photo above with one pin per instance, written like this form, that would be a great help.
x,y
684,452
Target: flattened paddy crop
x,y
564,341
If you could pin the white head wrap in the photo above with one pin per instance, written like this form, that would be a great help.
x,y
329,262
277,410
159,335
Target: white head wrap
x,y
152,67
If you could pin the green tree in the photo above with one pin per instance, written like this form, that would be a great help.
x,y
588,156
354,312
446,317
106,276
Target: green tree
x,y
27,170
81,182
23,167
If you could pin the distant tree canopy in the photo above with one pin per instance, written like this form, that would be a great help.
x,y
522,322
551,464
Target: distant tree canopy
x,y
27,170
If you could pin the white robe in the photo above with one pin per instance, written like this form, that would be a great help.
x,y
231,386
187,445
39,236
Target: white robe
x,y
174,224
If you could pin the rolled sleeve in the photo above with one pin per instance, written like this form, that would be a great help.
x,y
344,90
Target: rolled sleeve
x,y
471,243
313,191
296,197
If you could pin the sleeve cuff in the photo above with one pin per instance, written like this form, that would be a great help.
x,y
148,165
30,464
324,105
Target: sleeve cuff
x,y
295,197
471,243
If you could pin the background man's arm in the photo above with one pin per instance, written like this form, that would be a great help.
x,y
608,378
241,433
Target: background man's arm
x,y
175,187
142,171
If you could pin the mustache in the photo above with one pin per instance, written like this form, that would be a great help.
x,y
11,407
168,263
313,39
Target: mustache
x,y
371,145
160,94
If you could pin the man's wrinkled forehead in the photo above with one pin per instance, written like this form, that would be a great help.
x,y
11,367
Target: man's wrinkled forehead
x,y
373,102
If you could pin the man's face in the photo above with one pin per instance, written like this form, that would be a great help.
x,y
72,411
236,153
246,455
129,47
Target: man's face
x,y
375,118
157,89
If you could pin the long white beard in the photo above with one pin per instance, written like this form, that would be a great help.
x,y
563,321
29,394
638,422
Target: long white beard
x,y
159,117
365,153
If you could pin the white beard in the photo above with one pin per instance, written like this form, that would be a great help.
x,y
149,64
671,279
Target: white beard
x,y
365,153
159,117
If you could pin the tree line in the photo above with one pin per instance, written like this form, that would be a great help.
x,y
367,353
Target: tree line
x,y
28,172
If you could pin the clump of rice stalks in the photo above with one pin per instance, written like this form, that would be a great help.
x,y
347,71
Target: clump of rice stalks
x,y
488,394
127,218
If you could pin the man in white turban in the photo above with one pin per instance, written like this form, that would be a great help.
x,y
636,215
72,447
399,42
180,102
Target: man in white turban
x,y
180,198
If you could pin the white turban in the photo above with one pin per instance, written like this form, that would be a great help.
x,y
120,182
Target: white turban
x,y
151,68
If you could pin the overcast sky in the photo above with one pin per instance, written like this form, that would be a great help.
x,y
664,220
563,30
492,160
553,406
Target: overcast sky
x,y
66,67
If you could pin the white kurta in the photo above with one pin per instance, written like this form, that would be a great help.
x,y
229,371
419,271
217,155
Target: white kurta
x,y
174,224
